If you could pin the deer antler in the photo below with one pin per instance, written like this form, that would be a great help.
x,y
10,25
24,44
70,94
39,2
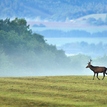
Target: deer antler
x,y
90,60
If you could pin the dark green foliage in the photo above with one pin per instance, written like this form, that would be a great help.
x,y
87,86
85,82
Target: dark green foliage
x,y
27,50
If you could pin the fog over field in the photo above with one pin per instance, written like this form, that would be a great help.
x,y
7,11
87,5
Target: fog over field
x,y
79,47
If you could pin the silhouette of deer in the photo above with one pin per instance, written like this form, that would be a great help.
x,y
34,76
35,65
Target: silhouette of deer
x,y
97,70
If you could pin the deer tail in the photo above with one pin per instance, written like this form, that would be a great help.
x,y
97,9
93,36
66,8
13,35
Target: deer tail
x,y
106,71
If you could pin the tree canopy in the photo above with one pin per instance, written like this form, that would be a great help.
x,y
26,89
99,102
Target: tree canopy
x,y
23,49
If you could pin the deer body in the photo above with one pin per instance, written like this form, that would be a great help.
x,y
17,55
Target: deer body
x,y
97,69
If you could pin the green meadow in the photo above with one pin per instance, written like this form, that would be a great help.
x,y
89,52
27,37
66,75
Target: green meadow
x,y
53,91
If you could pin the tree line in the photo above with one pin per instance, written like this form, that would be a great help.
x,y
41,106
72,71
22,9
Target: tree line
x,y
53,33
91,49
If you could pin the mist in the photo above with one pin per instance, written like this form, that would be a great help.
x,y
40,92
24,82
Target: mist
x,y
76,66
26,53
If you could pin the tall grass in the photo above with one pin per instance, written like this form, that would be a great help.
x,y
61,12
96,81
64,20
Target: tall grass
x,y
58,91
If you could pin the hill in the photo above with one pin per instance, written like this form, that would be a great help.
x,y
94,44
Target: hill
x,y
51,10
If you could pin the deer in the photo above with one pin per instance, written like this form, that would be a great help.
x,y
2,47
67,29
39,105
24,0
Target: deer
x,y
97,70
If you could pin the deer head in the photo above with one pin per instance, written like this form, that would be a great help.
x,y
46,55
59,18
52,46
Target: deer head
x,y
89,63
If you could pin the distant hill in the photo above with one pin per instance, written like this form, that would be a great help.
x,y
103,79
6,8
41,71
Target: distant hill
x,y
53,10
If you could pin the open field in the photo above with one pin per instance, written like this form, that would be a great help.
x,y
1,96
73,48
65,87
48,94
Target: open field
x,y
58,91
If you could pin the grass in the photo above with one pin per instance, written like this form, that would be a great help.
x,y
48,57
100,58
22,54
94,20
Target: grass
x,y
56,91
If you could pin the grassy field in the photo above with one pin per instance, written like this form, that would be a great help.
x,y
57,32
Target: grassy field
x,y
58,91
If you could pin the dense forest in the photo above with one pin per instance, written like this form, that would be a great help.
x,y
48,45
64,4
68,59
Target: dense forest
x,y
24,51
57,10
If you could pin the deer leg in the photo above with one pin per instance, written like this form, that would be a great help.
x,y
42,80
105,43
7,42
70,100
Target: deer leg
x,y
93,76
103,75
97,77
